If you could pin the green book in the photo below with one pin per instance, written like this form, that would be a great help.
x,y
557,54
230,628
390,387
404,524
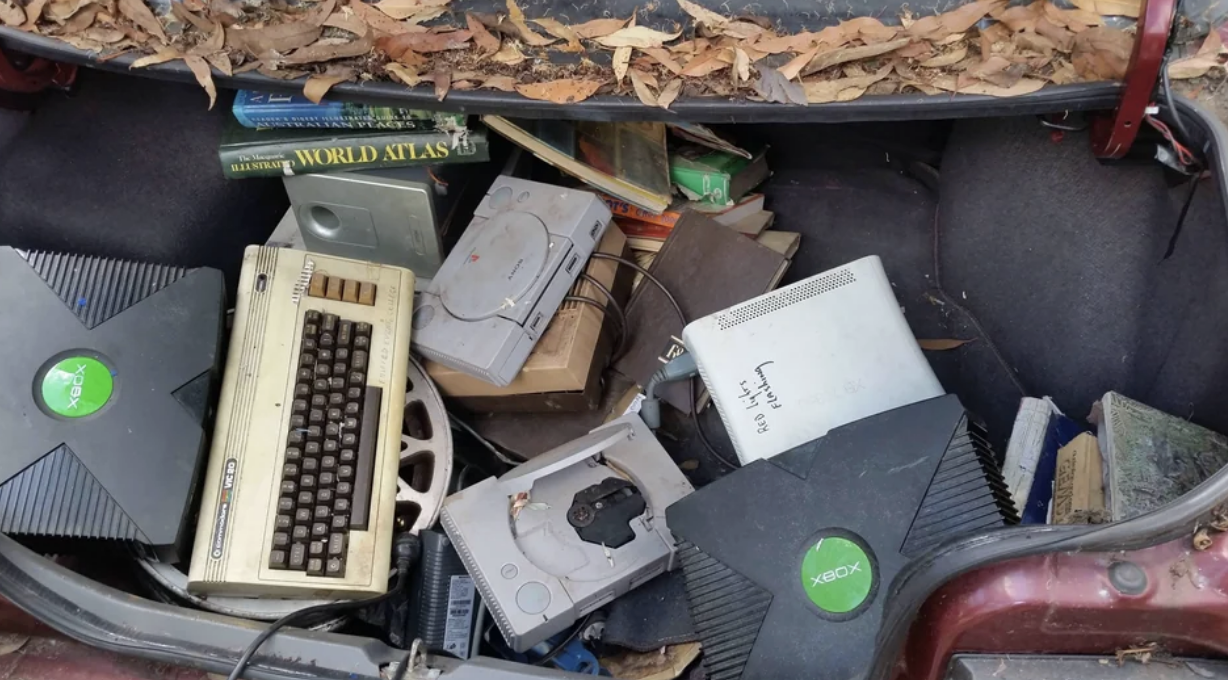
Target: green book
x,y
716,177
276,153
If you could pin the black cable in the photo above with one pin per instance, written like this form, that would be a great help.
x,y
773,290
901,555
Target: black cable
x,y
406,548
1167,90
621,322
619,312
1185,209
699,428
558,649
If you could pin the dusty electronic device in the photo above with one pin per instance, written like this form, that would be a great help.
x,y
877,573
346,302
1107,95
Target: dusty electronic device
x,y
569,530
302,479
786,367
788,561
397,216
109,370
495,294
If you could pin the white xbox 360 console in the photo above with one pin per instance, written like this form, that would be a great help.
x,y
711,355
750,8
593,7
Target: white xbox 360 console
x,y
786,367
506,277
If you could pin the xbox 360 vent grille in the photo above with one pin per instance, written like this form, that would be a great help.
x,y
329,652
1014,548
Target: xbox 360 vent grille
x,y
785,297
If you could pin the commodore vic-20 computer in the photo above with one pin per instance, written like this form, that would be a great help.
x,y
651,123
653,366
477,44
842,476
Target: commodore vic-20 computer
x,y
300,490
92,395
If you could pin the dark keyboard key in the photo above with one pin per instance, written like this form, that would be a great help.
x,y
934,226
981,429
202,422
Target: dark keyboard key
x,y
319,530
353,409
346,456
288,487
362,329
359,360
315,433
302,516
323,370
331,447
333,414
293,454
344,489
341,506
345,473
285,504
299,534
281,539
343,352
328,463
319,401
320,385
316,417
289,471
306,499
298,421
341,522
332,430
309,345
336,383
329,324
284,523
315,566
311,464
295,438
302,390
299,406
311,330
349,424
345,333
306,374
364,472
354,394
336,545
327,340
335,567
311,316
327,479
322,513
340,367
298,556
336,399
362,343
311,449
324,495
358,378
316,548
307,359
307,482
324,356
349,440
278,559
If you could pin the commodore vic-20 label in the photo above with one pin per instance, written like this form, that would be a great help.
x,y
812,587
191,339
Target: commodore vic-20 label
x,y
221,521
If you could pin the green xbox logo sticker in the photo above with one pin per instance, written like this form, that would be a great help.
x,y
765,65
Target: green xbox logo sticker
x,y
76,387
837,574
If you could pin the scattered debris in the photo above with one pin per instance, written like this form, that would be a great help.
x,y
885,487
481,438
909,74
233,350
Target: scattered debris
x,y
1202,539
943,344
11,643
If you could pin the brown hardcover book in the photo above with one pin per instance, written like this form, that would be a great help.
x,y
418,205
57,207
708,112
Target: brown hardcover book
x,y
707,267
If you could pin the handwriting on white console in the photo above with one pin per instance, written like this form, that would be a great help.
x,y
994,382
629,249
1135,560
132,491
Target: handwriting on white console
x,y
759,397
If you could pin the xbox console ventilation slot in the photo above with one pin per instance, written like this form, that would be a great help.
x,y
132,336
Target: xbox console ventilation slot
x,y
785,297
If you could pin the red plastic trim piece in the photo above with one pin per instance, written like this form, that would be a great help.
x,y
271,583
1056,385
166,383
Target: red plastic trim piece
x,y
1113,136
36,76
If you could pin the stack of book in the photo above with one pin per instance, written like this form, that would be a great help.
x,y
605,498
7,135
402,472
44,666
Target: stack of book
x,y
277,135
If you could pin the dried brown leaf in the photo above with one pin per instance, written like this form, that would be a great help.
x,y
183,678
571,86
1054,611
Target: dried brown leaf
x,y
842,89
917,50
950,58
637,36
348,21
226,11
404,9
283,37
662,56
1075,19
561,31
702,15
788,43
103,34
869,30
1063,73
328,51
405,74
622,59
140,14
191,17
1024,86
504,83
794,68
846,54
773,86
944,344
743,30
645,94
1193,67
200,69
423,43
598,28
443,82
707,64
1102,53
60,11
957,20
280,74
509,54
741,66
1124,8
379,22
221,62
565,91
213,44
516,17
1061,37
319,84
1020,17
669,93
160,57
11,15
33,12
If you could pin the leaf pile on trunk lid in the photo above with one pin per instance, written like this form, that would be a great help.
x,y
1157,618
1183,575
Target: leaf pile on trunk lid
x,y
984,47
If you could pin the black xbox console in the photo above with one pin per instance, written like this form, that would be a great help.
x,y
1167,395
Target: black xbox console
x,y
109,368
788,560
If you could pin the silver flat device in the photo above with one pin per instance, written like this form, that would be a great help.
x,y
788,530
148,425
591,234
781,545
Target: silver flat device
x,y
397,216
493,297
568,531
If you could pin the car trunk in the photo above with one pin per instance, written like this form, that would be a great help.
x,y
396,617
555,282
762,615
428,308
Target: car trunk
x,y
1052,268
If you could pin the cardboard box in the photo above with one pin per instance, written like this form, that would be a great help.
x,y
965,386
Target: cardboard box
x,y
563,371
1078,483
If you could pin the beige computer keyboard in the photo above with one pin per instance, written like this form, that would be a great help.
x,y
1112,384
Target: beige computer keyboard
x,y
301,486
